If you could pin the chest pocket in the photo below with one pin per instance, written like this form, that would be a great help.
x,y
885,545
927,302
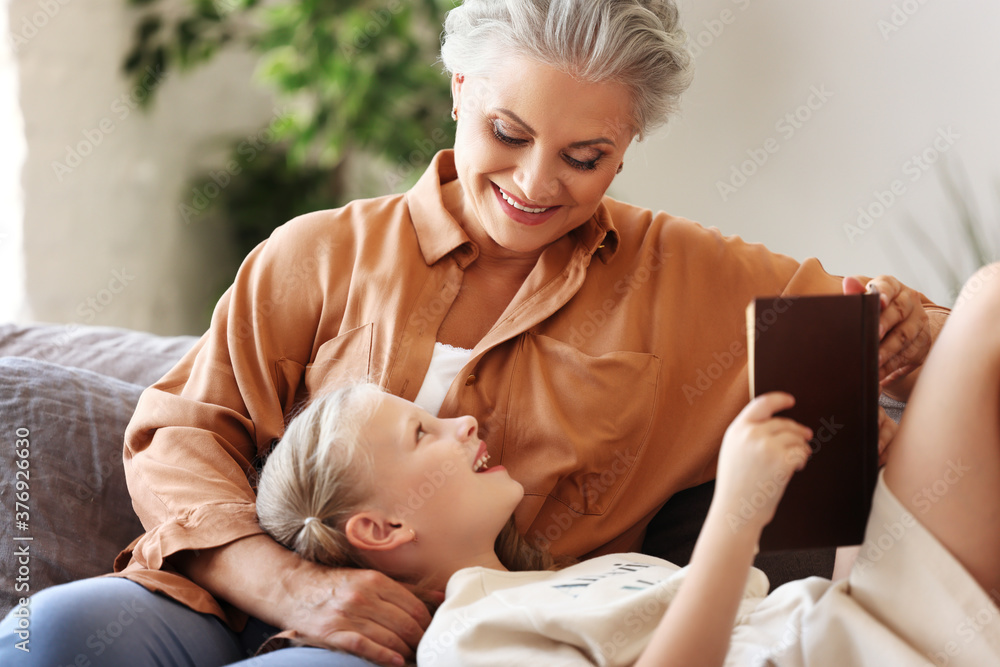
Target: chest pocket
x,y
340,360
577,423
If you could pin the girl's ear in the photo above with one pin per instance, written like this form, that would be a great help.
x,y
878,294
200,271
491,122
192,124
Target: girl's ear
x,y
373,531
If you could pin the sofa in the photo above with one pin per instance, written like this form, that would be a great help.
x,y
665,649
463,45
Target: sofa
x,y
67,393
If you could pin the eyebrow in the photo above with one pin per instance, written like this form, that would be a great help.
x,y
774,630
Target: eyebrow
x,y
575,144
411,429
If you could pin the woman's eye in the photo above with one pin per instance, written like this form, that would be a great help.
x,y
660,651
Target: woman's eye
x,y
506,138
581,165
420,432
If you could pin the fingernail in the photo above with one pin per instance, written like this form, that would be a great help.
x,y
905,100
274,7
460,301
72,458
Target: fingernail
x,y
881,330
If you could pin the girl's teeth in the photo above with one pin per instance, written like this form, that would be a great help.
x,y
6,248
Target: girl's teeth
x,y
519,207
481,463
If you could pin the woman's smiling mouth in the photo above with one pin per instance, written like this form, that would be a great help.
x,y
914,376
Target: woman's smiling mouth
x,y
520,212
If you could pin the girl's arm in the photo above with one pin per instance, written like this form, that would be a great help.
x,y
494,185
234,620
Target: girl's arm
x,y
698,624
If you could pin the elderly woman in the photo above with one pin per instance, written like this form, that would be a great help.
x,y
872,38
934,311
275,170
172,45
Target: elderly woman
x,y
599,345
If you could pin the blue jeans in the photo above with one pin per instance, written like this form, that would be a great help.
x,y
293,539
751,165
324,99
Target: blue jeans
x,y
112,622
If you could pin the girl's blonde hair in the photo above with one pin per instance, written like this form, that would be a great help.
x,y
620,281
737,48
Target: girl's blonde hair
x,y
321,473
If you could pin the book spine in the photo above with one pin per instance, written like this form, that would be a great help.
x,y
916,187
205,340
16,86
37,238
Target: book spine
x,y
870,341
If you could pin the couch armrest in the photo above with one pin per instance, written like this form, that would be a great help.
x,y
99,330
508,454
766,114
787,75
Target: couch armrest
x,y
131,356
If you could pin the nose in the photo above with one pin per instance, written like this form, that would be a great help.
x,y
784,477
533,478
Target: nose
x,y
467,428
537,178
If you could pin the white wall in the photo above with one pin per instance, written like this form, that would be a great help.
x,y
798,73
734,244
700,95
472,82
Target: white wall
x,y
889,95
11,158
891,91
104,242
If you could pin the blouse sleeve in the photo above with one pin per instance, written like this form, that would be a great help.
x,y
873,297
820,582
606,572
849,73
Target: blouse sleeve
x,y
191,445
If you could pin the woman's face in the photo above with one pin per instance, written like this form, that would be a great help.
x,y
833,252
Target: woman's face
x,y
430,477
536,150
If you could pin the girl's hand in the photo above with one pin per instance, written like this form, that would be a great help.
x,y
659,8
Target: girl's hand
x,y
760,453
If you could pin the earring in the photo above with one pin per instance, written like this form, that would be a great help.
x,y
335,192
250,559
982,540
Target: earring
x,y
454,113
620,167
414,533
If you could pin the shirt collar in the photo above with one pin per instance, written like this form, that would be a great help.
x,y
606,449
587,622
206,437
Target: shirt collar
x,y
440,234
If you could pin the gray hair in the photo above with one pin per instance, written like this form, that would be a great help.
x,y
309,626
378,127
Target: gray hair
x,y
636,43
319,475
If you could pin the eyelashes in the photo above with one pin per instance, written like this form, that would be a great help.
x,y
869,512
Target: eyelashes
x,y
580,165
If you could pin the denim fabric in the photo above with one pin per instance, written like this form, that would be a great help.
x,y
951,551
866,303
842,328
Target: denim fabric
x,y
111,622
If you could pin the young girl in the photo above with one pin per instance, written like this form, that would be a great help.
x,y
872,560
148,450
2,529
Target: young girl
x,y
367,479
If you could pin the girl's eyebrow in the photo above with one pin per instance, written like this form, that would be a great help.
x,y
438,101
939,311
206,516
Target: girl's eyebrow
x,y
575,144
411,429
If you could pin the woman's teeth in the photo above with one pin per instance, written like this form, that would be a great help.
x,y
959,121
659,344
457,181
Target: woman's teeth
x,y
519,207
480,463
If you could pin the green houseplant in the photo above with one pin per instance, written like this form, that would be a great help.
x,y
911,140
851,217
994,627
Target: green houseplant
x,y
352,79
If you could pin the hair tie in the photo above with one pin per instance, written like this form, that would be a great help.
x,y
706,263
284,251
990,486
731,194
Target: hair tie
x,y
308,519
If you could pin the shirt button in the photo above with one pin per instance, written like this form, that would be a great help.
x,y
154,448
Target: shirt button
x,y
471,380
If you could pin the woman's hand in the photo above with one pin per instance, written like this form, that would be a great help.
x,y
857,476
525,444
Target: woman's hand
x,y
886,432
359,611
759,454
363,612
904,328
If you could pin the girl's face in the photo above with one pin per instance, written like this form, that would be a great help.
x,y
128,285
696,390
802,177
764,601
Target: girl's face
x,y
430,478
535,151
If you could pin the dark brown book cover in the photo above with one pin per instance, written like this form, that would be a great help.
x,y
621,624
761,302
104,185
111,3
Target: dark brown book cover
x,y
824,351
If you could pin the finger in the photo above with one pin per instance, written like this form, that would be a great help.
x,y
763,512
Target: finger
x,y
403,598
367,649
397,618
853,285
778,425
383,610
895,375
434,597
886,432
797,454
887,287
905,343
764,406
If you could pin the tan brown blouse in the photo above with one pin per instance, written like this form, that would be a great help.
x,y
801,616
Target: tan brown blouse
x,y
604,388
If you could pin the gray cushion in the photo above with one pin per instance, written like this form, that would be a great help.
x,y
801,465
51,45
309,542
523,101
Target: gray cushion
x,y
79,513
133,356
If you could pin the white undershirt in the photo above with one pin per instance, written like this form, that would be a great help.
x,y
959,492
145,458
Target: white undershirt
x,y
446,362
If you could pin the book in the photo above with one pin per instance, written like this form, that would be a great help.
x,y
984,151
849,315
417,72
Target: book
x,y
824,351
